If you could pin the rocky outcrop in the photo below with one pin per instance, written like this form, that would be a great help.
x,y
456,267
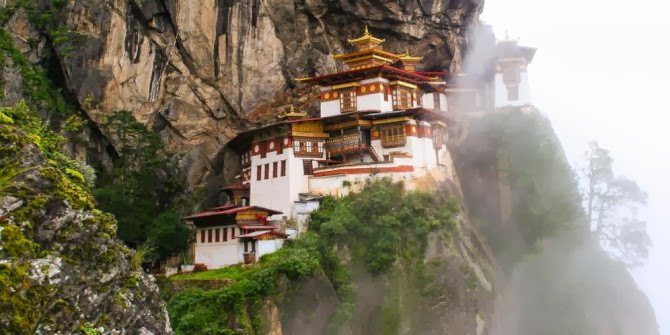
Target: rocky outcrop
x,y
61,268
194,71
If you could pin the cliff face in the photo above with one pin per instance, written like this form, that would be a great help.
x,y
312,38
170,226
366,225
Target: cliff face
x,y
61,268
194,70
522,194
382,261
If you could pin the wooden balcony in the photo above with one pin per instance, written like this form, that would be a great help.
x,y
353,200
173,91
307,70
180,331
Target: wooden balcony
x,y
346,144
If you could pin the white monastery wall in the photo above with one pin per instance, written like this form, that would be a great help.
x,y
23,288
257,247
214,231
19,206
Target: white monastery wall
x,y
444,104
218,254
301,211
501,91
330,108
264,247
427,100
299,183
370,102
274,192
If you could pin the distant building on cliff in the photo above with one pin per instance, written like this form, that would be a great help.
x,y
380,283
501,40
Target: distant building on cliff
x,y
512,87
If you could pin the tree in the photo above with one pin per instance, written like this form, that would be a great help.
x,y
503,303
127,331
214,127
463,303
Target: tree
x,y
611,203
143,188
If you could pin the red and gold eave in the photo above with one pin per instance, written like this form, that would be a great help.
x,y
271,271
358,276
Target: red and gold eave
x,y
385,71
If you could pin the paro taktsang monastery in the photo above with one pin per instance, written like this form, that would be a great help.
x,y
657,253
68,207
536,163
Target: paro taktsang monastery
x,y
381,116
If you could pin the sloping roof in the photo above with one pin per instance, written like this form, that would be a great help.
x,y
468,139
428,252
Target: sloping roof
x,y
262,232
246,186
231,211
222,208
334,78
257,227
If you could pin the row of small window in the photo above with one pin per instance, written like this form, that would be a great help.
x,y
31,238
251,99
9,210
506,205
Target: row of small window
x,y
402,98
309,148
216,235
275,165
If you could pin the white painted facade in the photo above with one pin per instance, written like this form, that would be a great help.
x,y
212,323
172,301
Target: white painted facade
x,y
333,184
279,193
301,211
428,101
264,247
330,108
375,101
218,254
501,91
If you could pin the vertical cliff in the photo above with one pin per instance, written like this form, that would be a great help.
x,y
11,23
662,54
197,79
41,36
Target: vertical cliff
x,y
555,278
194,71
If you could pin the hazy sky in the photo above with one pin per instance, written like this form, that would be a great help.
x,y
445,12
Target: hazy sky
x,y
602,72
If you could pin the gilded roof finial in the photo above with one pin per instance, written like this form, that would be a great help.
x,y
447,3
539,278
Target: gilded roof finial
x,y
292,114
366,32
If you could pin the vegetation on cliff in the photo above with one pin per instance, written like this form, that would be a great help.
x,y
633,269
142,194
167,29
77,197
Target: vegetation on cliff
x,y
143,189
525,197
61,268
378,229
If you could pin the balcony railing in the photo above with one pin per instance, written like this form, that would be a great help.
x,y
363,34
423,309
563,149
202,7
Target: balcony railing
x,y
346,144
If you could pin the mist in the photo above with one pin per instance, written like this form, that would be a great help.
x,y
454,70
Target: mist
x,y
601,73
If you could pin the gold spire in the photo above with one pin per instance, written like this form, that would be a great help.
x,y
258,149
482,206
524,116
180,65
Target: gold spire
x,y
292,114
367,41
407,57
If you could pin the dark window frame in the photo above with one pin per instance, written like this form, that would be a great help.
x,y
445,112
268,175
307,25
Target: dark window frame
x,y
348,101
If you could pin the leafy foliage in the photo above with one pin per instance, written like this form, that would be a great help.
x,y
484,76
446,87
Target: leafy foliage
x,y
544,200
142,188
611,205
381,225
39,90
196,311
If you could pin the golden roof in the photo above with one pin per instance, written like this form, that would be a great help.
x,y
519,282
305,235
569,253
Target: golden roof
x,y
292,114
407,57
366,38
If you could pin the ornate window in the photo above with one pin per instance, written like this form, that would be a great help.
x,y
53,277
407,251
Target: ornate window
x,y
348,100
402,98
274,169
259,172
267,171
245,158
393,136
283,168
308,148
438,137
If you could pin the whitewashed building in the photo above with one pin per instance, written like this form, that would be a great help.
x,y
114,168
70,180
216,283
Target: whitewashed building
x,y
512,87
234,234
381,116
